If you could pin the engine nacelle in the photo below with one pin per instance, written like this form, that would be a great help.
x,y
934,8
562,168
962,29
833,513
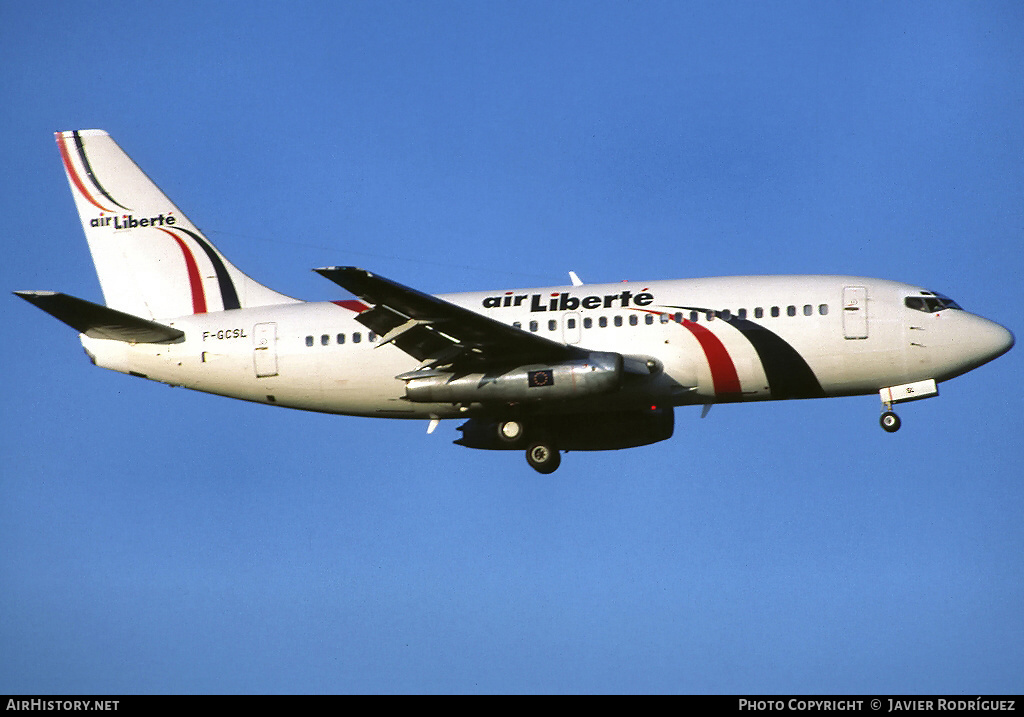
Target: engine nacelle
x,y
599,373
587,432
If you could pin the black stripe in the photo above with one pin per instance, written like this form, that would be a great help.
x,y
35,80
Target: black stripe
x,y
227,288
88,171
788,373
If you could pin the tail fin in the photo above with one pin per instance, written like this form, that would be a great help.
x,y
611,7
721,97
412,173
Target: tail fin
x,y
151,260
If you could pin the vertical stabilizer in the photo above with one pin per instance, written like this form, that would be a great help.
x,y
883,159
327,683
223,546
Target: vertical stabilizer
x,y
151,260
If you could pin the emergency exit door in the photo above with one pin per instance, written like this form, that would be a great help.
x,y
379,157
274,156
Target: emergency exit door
x,y
264,350
571,327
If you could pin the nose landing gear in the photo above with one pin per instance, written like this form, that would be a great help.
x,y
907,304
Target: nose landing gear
x,y
890,421
901,394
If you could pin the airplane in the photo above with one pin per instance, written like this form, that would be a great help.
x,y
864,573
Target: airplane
x,y
582,367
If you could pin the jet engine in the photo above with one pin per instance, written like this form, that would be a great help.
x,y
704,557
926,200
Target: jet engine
x,y
598,373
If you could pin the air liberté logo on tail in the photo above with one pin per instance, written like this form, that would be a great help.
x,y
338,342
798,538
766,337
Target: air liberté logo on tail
x,y
84,179
128,221
98,195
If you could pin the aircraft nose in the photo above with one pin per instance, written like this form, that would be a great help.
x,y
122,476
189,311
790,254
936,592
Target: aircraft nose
x,y
992,340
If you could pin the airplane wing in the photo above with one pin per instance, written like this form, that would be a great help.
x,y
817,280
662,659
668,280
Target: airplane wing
x,y
438,332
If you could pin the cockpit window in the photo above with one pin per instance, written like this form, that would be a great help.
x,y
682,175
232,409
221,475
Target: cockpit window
x,y
930,302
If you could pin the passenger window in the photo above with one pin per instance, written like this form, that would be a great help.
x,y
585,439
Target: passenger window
x,y
711,315
588,323
758,313
679,317
823,309
648,319
357,337
371,336
552,324
808,309
775,312
790,310
517,324
571,323
694,316
325,340
663,318
618,320
726,314
602,321
741,314
634,320
340,338
533,326
309,341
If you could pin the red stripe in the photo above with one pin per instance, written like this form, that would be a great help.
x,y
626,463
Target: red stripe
x,y
723,372
352,305
194,280
73,174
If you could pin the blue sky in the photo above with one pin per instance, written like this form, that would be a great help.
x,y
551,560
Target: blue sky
x,y
158,540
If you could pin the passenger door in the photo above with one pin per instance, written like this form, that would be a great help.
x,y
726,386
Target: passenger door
x,y
855,312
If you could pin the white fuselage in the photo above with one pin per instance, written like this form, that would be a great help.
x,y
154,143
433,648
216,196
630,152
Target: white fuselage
x,y
717,340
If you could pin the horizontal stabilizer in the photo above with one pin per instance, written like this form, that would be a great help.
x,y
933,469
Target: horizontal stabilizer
x,y
101,322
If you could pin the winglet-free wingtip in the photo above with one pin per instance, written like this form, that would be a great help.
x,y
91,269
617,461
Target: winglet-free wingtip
x,y
326,271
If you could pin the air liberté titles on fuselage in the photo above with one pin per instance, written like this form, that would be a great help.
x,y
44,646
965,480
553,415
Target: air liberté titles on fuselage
x,y
562,301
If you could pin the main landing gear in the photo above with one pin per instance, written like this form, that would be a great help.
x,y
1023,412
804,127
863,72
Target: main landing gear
x,y
543,456
541,452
